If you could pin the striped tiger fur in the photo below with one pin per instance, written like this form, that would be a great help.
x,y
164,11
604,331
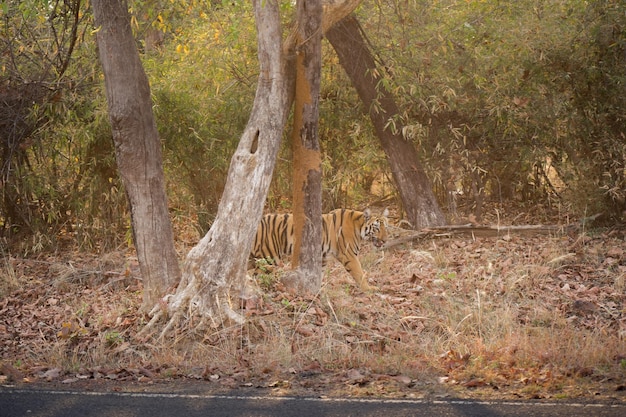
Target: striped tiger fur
x,y
343,231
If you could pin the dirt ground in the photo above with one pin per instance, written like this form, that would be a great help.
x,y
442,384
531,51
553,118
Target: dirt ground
x,y
508,317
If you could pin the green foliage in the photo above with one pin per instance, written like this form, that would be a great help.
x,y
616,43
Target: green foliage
x,y
520,101
113,338
58,171
353,164
265,273
203,82
597,91
512,100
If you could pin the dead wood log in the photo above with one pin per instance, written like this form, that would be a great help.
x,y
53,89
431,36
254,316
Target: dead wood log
x,y
483,231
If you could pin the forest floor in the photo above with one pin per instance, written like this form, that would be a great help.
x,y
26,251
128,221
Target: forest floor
x,y
507,317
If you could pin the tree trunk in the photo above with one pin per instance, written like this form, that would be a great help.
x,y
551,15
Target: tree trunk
x,y
137,149
307,163
418,199
217,263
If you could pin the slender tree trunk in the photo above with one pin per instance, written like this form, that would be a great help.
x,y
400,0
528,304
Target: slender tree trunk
x,y
415,190
137,149
307,163
216,265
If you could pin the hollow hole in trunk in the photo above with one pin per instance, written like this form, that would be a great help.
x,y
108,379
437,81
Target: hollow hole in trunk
x,y
255,142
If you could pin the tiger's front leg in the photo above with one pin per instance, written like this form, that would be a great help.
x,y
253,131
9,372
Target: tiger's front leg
x,y
353,266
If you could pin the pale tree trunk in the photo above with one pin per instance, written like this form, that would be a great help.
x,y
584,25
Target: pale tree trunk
x,y
216,265
418,199
137,149
306,276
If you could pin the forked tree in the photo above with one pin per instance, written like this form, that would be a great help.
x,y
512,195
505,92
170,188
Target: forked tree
x,y
216,265
214,270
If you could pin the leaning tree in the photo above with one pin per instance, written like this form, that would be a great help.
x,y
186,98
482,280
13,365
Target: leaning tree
x,y
414,187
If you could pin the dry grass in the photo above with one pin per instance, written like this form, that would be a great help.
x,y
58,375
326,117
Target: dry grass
x,y
530,317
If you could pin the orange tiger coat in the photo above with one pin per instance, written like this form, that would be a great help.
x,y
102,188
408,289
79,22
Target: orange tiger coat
x,y
343,232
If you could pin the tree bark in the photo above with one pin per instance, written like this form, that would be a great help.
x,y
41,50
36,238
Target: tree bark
x,y
217,263
137,149
418,199
307,163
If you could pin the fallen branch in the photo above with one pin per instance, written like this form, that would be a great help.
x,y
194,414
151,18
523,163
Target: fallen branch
x,y
489,231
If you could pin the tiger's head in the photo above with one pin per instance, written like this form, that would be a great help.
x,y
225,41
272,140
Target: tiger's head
x,y
375,227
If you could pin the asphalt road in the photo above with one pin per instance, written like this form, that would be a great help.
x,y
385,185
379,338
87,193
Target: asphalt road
x,y
18,402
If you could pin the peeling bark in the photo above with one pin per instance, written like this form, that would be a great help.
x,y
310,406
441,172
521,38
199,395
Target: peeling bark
x,y
215,267
307,163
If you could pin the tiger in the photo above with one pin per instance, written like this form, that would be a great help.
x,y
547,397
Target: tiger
x,y
343,231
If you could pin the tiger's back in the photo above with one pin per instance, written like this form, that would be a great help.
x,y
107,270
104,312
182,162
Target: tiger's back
x,y
343,232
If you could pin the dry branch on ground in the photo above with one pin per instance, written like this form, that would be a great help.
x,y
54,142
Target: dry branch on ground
x,y
472,230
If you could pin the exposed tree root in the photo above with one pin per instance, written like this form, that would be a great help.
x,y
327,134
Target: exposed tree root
x,y
203,296
189,303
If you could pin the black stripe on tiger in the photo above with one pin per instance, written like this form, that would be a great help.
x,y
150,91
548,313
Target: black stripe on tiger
x,y
343,231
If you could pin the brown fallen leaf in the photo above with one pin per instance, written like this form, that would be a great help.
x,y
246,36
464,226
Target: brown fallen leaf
x,y
615,252
305,330
313,366
584,306
51,374
474,383
403,379
355,377
11,372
